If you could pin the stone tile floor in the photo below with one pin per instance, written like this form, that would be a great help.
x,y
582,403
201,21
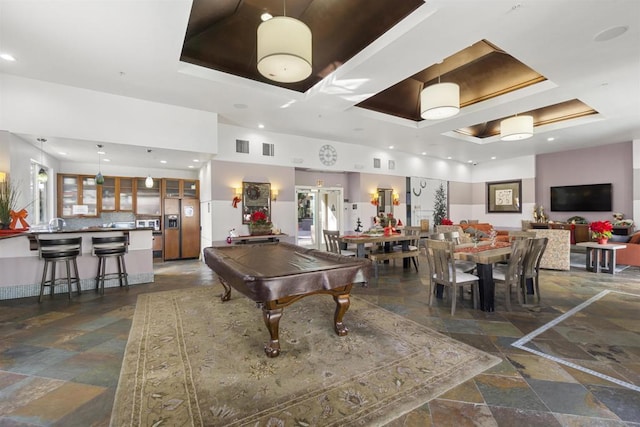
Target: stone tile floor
x,y
60,360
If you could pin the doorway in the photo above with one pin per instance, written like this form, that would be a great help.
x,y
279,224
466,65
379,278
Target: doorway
x,y
318,209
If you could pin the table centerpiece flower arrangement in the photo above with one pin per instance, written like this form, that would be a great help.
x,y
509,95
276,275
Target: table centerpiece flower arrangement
x,y
259,224
601,231
446,221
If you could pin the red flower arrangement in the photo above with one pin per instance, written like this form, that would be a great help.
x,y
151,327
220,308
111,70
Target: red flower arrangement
x,y
446,221
259,217
601,229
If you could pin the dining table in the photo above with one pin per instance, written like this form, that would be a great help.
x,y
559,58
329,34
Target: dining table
x,y
484,254
360,240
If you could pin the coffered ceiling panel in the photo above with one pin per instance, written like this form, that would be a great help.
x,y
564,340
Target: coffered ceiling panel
x,y
221,35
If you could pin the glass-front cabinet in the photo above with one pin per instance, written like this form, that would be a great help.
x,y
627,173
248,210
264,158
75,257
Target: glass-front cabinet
x,y
178,188
117,194
148,199
77,196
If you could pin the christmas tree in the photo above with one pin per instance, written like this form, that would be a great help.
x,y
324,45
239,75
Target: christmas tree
x,y
358,226
440,205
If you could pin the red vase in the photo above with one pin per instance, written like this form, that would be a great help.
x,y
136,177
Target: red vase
x,y
602,240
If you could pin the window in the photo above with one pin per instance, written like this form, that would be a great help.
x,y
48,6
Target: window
x,y
39,191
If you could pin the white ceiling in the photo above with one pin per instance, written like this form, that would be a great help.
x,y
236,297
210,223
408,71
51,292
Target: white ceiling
x,y
133,47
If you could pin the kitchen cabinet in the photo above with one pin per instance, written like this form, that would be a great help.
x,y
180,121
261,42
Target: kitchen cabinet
x,y
148,201
179,188
78,196
117,194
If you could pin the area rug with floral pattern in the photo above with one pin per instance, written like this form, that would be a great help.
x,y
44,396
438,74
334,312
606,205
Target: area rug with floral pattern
x,y
192,359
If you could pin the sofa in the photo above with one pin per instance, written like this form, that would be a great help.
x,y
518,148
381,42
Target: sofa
x,y
466,231
631,254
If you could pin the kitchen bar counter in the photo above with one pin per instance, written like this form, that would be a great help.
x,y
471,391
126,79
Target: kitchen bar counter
x,y
21,266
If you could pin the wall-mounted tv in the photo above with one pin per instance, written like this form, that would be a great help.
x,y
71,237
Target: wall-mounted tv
x,y
582,198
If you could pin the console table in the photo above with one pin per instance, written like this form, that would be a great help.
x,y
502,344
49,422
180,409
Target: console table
x,y
601,258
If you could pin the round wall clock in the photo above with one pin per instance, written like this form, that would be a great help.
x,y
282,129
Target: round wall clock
x,y
328,155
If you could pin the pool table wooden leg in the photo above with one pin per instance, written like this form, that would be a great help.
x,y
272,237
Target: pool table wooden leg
x,y
342,305
226,296
272,321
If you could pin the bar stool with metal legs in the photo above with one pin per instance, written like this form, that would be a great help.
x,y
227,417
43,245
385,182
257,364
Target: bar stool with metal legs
x,y
53,251
108,247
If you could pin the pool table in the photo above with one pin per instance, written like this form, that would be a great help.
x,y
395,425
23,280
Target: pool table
x,y
275,275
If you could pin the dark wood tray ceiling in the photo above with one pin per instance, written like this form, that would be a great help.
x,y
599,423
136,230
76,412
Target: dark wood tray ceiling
x,y
221,34
541,116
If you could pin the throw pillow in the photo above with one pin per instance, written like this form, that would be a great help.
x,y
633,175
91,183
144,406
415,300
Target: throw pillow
x,y
478,233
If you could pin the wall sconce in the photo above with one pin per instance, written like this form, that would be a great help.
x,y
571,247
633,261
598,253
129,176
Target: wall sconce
x,y
274,194
237,198
374,199
3,176
396,199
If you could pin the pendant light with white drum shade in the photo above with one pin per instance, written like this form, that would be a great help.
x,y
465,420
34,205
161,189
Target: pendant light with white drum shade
x,y
284,49
516,128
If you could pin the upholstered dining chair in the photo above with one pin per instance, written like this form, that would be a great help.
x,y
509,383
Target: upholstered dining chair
x,y
333,244
531,265
445,273
510,274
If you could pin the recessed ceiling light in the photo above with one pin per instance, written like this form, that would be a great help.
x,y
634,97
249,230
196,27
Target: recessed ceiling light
x,y
551,139
7,57
102,152
261,126
196,161
266,16
106,160
449,158
62,153
163,161
469,161
493,157
610,33
190,166
391,147
424,153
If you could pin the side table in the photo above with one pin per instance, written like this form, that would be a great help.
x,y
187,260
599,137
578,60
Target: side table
x,y
601,258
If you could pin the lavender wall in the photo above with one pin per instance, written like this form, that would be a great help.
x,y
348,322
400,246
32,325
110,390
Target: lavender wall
x,y
605,164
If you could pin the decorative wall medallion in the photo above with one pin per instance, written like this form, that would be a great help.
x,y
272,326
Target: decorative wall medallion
x,y
328,155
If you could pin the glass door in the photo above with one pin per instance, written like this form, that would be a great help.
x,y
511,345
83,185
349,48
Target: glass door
x,y
318,209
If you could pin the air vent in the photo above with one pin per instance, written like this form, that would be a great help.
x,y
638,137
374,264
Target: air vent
x,y
392,165
376,163
242,146
267,149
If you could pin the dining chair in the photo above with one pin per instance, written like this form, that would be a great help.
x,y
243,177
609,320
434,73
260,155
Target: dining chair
x,y
462,265
333,244
510,274
446,274
531,266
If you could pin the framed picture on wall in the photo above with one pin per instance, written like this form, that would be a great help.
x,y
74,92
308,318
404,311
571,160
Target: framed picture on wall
x,y
504,196
256,196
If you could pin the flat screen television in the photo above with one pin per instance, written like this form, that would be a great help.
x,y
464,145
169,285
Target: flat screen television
x,y
582,198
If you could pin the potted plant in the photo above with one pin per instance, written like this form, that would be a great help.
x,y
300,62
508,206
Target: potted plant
x,y
260,224
9,194
601,231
